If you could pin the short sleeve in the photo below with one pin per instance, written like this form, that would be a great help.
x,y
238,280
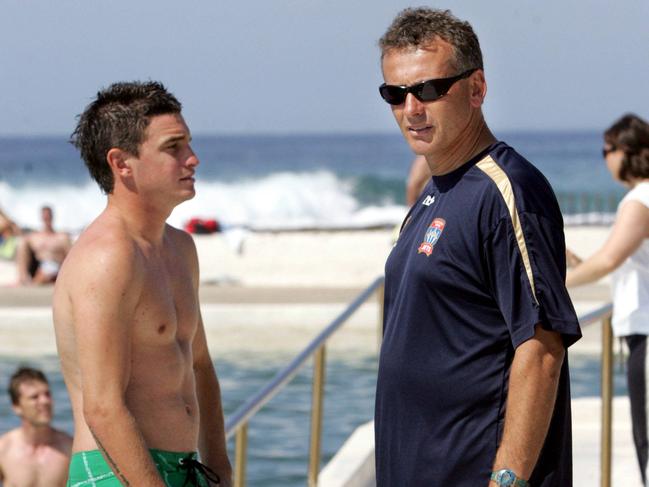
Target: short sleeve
x,y
639,193
526,273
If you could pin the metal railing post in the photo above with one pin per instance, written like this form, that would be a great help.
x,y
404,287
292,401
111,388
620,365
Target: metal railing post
x,y
240,456
319,365
607,403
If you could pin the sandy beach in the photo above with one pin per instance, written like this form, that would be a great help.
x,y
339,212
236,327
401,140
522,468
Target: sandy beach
x,y
281,287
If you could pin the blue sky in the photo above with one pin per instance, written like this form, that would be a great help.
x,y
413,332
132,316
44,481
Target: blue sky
x,y
287,66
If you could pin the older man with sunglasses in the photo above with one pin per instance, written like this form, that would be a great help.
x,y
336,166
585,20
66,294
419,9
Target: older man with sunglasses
x,y
473,385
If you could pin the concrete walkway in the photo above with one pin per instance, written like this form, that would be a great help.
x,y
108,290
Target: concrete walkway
x,y
586,444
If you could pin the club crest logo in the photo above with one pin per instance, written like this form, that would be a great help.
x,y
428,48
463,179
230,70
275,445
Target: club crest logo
x,y
432,236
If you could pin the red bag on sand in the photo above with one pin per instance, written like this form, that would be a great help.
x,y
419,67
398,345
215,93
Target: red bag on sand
x,y
200,226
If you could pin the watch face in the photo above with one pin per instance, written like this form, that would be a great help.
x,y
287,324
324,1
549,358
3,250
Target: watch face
x,y
506,478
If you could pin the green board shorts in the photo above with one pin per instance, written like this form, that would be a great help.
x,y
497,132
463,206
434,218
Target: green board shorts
x,y
89,469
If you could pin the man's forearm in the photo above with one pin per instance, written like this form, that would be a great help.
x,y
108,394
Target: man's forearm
x,y
212,445
590,270
533,382
120,442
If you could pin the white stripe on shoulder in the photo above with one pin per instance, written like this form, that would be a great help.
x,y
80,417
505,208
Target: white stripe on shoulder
x,y
504,185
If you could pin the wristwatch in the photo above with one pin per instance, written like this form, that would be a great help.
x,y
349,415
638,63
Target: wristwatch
x,y
507,478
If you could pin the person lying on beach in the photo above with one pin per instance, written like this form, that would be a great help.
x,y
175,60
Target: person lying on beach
x,y
9,233
35,454
40,254
129,332
626,254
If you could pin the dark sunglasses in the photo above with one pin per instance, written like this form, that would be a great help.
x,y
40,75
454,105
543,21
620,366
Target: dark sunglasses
x,y
607,150
430,90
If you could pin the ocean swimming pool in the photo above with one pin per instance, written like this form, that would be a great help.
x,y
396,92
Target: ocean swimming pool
x,y
279,434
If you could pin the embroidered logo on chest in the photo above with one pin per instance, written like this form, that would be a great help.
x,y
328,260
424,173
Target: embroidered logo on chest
x,y
428,200
433,234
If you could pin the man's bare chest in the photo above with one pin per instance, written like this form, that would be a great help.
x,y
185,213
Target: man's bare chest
x,y
168,305
44,468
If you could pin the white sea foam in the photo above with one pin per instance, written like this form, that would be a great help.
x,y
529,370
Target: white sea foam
x,y
280,200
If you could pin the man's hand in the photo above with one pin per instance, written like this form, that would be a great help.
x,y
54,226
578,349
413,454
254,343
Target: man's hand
x,y
533,382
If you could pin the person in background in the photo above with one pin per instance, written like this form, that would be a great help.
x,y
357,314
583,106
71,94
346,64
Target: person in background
x,y
473,381
418,176
9,233
40,254
35,454
127,318
626,254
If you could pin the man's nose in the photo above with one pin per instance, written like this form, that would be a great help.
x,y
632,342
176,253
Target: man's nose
x,y
192,159
413,107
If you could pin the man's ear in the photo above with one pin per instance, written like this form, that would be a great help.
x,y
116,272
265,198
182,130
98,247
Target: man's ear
x,y
17,409
118,160
478,87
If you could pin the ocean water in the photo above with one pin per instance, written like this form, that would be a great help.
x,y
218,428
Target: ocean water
x,y
290,181
279,435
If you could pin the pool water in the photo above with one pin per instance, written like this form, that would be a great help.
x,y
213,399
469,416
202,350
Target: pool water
x,y
279,435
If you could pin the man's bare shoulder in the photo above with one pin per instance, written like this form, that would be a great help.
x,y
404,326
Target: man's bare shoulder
x,y
103,252
63,441
184,243
180,237
63,236
6,441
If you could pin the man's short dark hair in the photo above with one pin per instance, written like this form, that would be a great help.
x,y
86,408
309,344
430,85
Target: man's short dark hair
x,y
631,135
417,27
118,118
22,375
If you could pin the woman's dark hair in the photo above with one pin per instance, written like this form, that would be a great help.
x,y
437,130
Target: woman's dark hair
x,y
630,134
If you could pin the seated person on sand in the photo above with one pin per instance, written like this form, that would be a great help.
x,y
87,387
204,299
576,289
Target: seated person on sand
x,y
9,233
34,454
40,254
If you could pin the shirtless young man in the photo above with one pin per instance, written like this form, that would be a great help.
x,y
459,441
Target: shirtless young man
x,y
34,454
144,394
49,248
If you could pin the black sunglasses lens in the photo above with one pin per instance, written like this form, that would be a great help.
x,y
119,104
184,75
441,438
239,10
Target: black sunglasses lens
x,y
394,95
607,150
430,91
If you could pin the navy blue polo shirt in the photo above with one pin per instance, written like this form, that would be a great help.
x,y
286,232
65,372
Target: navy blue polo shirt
x,y
479,262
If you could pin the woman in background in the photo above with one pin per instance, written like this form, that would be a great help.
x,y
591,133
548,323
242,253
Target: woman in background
x,y
626,254
9,233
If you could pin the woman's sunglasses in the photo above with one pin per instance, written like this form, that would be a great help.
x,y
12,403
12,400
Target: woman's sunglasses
x,y
430,90
607,150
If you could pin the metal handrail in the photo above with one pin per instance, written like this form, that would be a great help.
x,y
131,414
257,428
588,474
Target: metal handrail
x,y
596,315
604,315
237,422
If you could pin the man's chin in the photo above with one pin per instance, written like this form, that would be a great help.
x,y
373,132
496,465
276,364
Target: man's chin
x,y
185,196
421,147
42,422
